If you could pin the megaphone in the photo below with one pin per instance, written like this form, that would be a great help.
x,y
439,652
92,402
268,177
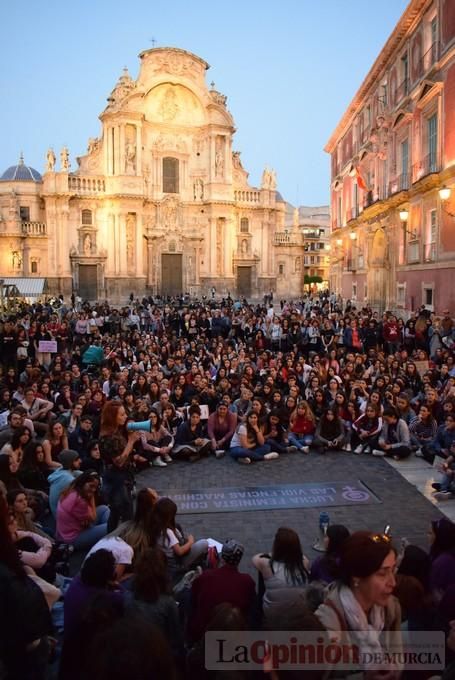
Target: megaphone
x,y
142,425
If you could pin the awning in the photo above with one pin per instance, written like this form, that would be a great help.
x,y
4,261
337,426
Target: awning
x,y
27,287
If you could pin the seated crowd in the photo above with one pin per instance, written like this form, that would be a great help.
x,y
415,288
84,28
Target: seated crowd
x,y
156,384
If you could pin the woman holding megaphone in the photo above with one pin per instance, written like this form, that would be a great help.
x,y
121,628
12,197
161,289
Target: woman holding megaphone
x,y
113,423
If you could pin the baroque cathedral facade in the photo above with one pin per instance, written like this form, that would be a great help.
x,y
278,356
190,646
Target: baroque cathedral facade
x,y
159,204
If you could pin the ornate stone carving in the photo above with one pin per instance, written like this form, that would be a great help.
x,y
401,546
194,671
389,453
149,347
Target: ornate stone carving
x,y
87,245
123,88
177,65
50,160
236,162
170,143
268,179
216,96
198,189
130,240
93,145
219,156
169,106
65,159
169,214
130,150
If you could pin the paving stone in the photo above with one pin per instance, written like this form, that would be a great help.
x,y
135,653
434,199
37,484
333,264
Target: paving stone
x,y
403,506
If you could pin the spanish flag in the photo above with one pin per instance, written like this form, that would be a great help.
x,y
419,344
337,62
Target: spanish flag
x,y
360,181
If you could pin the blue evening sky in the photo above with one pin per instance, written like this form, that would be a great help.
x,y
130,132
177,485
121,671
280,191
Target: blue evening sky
x,y
289,69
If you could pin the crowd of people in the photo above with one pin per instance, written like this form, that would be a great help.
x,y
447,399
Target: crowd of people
x,y
173,381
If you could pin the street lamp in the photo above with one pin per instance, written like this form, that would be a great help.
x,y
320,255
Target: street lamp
x,y
353,235
339,242
404,214
444,195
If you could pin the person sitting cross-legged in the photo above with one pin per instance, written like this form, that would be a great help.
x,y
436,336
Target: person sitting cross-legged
x,y
330,433
248,443
394,439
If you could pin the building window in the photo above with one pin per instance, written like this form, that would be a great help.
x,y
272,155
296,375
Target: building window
x,y
405,73
401,294
428,296
404,165
434,39
244,225
34,267
24,213
281,269
430,237
432,143
170,175
354,291
87,219
365,291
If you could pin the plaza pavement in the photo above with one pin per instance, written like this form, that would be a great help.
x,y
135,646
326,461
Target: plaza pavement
x,y
405,504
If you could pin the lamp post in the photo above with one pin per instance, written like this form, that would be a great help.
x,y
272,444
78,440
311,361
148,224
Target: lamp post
x,y
444,195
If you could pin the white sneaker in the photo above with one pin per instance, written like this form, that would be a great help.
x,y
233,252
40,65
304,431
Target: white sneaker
x,y
305,449
244,461
159,462
291,449
167,458
358,449
219,453
419,453
443,495
347,447
378,452
271,456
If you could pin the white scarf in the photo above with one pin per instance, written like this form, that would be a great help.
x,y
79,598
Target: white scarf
x,y
363,632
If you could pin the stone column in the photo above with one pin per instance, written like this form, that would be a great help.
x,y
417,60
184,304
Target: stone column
x,y
121,170
139,245
118,169
121,230
138,149
106,150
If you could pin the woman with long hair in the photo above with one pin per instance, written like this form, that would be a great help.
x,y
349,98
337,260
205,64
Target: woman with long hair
x,y
285,572
248,442
55,441
153,599
79,520
33,471
302,426
157,443
330,432
182,552
113,424
137,532
325,568
366,429
16,446
24,646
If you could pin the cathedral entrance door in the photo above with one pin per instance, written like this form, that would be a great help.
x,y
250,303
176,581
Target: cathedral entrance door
x,y
171,274
244,281
88,281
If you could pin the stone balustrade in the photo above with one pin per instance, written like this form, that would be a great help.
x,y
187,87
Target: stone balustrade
x,y
283,238
34,228
247,196
86,185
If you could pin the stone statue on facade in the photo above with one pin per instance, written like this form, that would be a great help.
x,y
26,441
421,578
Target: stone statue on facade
x,y
198,189
50,160
87,245
93,144
268,179
219,163
130,158
64,159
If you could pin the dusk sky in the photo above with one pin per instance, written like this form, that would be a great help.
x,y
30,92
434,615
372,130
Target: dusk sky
x,y
289,70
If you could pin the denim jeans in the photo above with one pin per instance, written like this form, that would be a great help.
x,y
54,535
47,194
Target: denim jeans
x,y
447,483
95,532
300,440
257,453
